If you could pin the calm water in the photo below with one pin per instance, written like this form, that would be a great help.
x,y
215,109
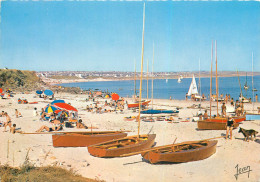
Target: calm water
x,y
163,90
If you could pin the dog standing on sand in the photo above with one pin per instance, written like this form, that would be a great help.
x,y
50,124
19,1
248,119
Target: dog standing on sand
x,y
248,133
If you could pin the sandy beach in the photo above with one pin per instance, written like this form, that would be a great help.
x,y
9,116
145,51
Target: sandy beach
x,y
221,166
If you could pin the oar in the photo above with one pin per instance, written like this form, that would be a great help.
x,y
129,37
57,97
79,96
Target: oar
x,y
164,146
77,132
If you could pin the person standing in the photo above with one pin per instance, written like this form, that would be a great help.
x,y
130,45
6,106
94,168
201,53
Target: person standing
x,y
8,122
223,109
229,126
256,98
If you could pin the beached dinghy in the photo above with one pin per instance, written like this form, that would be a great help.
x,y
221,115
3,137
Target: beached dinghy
x,y
83,139
143,103
182,152
116,148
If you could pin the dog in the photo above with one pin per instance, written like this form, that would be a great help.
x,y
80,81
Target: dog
x,y
248,133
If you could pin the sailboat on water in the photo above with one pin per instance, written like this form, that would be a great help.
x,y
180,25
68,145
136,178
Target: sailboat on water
x,y
179,80
193,90
130,144
246,86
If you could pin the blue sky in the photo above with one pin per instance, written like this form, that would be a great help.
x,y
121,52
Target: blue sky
x,y
107,36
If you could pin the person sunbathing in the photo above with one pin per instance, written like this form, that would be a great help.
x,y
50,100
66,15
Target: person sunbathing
x,y
13,129
81,125
49,129
18,114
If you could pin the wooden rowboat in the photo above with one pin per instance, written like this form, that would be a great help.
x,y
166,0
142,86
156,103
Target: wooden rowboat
x,y
116,148
145,103
182,152
84,139
211,125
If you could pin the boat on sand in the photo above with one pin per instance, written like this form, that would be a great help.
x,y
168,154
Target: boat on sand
x,y
83,139
182,152
116,148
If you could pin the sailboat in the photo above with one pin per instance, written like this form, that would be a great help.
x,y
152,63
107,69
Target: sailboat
x,y
130,144
136,104
246,86
179,80
216,123
193,90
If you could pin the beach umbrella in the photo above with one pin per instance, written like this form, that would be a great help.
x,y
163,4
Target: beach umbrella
x,y
57,101
39,92
50,108
66,106
59,111
48,92
115,96
1,90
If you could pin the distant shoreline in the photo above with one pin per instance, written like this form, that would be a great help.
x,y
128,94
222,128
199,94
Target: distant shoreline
x,y
62,81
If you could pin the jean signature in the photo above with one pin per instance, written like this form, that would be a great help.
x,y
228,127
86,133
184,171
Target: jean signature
x,y
242,171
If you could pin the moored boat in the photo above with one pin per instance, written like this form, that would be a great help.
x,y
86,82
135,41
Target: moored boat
x,y
84,139
182,152
116,148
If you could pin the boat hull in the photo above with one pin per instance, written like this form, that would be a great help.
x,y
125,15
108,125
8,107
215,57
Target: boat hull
x,y
211,125
250,117
237,119
99,151
182,156
159,111
81,140
137,104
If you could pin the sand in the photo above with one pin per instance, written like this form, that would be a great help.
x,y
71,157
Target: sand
x,y
219,167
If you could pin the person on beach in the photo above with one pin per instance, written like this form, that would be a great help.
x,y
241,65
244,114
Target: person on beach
x,y
232,102
2,114
223,109
256,98
49,129
186,96
226,98
205,116
8,122
35,112
229,125
13,129
18,114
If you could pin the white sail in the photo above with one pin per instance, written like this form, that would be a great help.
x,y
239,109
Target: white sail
x,y
179,80
193,87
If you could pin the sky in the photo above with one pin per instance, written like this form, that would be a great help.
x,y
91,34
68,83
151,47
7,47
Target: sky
x,y
107,36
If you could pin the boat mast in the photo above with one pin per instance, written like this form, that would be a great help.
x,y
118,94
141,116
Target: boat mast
x,y
142,60
147,78
253,91
216,74
152,76
135,81
211,80
199,84
241,93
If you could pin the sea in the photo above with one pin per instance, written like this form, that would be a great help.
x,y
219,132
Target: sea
x,y
164,89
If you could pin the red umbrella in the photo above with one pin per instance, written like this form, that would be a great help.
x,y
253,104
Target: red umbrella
x,y
115,96
66,106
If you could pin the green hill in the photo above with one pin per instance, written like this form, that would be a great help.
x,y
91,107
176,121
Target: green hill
x,y
18,79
